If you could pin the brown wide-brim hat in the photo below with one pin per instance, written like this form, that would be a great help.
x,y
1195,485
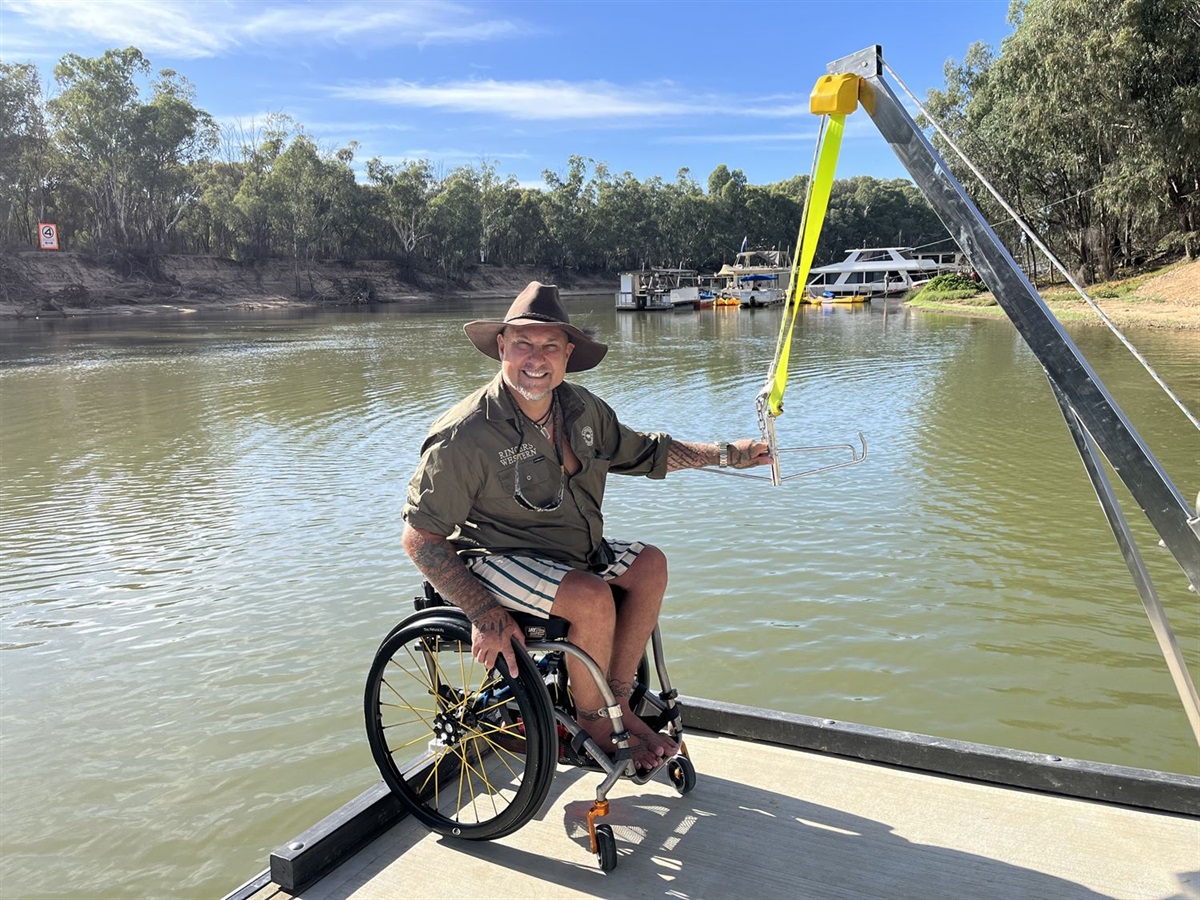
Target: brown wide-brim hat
x,y
538,304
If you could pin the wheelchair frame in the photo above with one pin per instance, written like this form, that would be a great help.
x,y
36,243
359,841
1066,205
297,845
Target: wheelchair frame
x,y
492,741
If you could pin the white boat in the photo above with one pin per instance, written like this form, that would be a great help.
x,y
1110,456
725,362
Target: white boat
x,y
651,289
756,278
878,272
698,292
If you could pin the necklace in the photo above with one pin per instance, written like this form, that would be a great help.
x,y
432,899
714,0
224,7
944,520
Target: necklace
x,y
541,423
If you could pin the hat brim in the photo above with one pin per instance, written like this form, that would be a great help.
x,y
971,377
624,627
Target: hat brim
x,y
586,355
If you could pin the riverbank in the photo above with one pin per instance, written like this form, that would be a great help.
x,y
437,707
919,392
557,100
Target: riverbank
x,y
35,283
1165,298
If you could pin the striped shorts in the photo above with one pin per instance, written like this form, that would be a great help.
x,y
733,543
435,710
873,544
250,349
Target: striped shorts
x,y
529,583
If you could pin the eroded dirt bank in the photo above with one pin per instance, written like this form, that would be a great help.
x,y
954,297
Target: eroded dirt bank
x,y
34,283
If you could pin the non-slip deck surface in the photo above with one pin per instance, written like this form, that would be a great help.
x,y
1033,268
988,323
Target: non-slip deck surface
x,y
766,821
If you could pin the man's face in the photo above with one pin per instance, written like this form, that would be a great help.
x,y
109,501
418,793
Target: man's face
x,y
533,358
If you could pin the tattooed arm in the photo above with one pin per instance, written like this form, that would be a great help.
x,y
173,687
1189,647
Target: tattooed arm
x,y
492,628
743,454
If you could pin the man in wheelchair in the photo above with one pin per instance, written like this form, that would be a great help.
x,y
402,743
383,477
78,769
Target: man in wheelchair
x,y
504,510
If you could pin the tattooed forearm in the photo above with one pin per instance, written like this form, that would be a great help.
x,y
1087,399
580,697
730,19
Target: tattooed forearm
x,y
620,688
435,558
743,454
689,455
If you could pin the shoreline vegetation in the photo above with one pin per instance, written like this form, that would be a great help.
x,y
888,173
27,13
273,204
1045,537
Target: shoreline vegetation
x,y
37,284
1163,297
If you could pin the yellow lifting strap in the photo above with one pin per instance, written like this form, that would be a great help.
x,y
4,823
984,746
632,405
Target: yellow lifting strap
x,y
834,97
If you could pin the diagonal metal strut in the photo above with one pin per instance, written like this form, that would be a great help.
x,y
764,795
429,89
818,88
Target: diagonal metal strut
x,y
1176,523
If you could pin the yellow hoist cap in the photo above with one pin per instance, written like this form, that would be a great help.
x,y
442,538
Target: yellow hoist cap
x,y
834,94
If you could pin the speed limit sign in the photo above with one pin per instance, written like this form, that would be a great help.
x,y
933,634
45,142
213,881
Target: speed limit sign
x,y
47,236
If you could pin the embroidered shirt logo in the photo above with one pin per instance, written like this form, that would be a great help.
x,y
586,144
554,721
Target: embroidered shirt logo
x,y
510,455
588,437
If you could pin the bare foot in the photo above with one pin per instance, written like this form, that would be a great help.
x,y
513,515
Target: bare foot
x,y
647,752
659,744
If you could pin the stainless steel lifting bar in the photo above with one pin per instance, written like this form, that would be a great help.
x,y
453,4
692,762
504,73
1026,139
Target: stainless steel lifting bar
x,y
1087,398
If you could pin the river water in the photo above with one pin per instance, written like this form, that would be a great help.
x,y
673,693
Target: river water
x,y
199,552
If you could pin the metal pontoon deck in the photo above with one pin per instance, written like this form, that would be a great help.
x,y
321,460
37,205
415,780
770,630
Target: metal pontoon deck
x,y
795,807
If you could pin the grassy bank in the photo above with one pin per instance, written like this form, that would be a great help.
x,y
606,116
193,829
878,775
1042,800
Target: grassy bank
x,y
1168,297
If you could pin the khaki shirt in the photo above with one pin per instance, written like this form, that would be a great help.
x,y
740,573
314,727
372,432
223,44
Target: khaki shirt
x,y
463,488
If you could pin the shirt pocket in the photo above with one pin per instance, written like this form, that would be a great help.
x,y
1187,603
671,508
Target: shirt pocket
x,y
538,480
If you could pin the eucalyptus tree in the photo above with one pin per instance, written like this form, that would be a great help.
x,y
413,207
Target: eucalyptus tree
x,y
211,222
625,233
456,222
685,219
24,154
176,138
126,158
568,210
498,199
525,235
306,192
1090,117
404,192
771,217
727,195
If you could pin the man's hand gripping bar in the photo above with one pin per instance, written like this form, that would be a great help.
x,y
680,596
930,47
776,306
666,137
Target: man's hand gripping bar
x,y
766,425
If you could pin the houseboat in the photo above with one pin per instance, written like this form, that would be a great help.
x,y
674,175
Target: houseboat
x,y
878,272
756,278
650,289
696,293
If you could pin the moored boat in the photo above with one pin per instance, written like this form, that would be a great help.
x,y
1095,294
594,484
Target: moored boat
x,y
756,278
651,289
878,271
694,292
829,298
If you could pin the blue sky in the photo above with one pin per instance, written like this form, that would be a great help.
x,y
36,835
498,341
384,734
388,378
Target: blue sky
x,y
645,87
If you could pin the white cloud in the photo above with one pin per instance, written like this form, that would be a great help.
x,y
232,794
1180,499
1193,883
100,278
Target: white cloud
x,y
528,100
189,29
412,22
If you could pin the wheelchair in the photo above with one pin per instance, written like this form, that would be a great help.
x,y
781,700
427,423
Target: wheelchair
x,y
471,753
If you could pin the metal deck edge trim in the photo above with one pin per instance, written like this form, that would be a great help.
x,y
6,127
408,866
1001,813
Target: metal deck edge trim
x,y
315,851
307,857
251,887
1141,788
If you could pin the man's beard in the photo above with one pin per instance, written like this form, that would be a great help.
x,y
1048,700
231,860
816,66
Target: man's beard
x,y
531,396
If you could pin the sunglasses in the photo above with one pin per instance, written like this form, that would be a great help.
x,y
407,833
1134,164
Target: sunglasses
x,y
524,502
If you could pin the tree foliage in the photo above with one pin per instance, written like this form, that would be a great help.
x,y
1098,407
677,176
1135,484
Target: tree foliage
x,y
1087,118
1088,122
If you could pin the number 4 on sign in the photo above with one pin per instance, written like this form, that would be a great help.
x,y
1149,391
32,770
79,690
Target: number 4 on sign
x,y
47,236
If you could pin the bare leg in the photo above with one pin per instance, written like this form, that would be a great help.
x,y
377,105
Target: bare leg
x,y
637,615
615,639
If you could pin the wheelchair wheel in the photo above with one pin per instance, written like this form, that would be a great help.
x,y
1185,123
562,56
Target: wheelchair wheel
x,y
683,773
470,753
606,847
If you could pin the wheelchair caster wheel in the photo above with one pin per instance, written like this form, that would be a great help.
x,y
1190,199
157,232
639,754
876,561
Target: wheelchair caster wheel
x,y
682,772
606,846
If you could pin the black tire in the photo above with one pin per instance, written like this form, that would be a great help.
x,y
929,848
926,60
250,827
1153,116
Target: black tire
x,y
683,773
606,848
470,753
